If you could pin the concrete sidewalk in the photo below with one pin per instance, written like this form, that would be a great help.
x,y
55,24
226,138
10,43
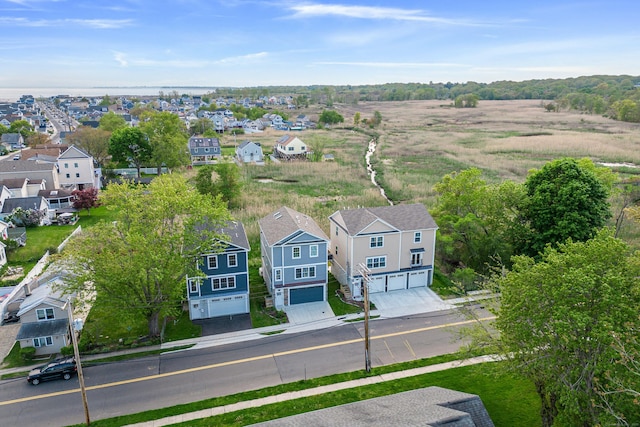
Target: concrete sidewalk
x,y
219,410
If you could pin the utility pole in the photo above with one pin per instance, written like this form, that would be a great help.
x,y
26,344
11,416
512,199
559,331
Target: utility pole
x,y
365,291
76,353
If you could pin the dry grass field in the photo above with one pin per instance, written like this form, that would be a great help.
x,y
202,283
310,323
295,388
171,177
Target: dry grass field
x,y
421,141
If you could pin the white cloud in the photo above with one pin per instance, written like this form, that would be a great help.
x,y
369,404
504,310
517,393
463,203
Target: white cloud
x,y
120,58
371,12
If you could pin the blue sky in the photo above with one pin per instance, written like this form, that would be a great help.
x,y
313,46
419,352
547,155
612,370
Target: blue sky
x,y
78,43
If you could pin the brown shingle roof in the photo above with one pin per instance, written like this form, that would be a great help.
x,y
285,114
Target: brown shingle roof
x,y
402,217
286,221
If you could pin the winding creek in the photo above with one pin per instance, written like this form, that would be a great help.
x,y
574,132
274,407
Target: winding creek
x,y
370,151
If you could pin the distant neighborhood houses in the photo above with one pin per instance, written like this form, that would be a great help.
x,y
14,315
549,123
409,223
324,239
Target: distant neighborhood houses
x,y
89,110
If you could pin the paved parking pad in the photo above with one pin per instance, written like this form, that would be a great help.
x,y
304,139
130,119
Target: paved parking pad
x,y
224,324
309,312
408,302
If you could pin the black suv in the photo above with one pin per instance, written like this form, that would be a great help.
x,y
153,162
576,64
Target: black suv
x,y
58,368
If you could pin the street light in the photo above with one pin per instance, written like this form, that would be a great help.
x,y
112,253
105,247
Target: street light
x,y
73,327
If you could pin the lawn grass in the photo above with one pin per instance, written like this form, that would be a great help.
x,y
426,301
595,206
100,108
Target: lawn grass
x,y
338,306
488,380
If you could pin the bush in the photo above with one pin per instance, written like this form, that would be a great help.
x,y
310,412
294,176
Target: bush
x,y
28,353
66,350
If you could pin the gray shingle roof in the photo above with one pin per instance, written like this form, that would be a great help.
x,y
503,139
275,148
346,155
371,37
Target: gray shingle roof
x,y
402,217
42,329
235,230
24,166
23,202
431,406
286,221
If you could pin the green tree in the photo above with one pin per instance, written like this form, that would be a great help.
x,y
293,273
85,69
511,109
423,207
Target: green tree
x,y
200,126
565,200
37,138
131,146
94,141
106,101
112,122
136,264
3,129
221,180
558,318
330,117
168,138
356,119
479,224
22,127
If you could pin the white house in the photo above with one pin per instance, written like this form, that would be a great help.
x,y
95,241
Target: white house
x,y
77,170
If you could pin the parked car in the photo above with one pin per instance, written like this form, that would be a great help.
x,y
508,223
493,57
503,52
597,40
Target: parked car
x,y
56,369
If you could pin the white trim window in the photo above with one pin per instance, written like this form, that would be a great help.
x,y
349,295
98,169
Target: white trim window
x,y
296,252
232,260
43,341
417,237
377,262
194,284
223,283
376,242
212,262
416,259
305,272
313,251
278,275
45,314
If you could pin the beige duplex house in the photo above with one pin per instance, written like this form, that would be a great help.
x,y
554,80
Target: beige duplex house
x,y
394,244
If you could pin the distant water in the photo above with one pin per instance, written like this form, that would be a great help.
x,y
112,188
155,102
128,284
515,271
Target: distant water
x,y
13,94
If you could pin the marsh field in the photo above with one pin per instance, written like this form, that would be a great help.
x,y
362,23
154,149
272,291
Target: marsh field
x,y
418,142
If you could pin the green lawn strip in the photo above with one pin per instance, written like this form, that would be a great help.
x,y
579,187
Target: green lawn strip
x,y
270,391
509,400
484,380
338,306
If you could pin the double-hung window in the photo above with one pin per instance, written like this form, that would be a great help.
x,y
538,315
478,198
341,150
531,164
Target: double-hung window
x,y
417,237
313,251
305,272
278,275
223,282
377,262
45,314
194,285
212,262
296,252
232,260
376,242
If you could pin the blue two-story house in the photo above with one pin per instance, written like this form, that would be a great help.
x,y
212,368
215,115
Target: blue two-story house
x,y
294,258
222,287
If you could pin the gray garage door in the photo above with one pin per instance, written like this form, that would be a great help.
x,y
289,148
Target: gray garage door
x,y
302,295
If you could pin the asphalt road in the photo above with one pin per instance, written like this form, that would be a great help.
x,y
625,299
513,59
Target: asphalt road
x,y
181,377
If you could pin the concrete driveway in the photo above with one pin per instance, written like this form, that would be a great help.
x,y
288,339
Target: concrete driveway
x,y
407,302
308,313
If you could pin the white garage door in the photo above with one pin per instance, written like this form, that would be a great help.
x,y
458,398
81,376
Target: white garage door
x,y
396,282
418,279
377,284
225,306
